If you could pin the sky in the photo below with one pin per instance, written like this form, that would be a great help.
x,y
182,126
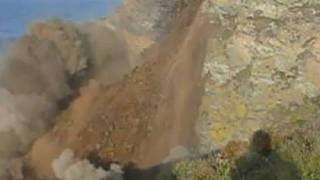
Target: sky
x,y
15,15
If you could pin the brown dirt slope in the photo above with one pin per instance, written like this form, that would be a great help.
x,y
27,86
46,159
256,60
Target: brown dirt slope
x,y
141,118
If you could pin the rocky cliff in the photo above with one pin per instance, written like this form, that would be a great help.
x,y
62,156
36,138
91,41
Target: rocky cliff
x,y
162,80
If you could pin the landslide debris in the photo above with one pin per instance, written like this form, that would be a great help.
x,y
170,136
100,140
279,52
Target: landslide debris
x,y
141,118
162,75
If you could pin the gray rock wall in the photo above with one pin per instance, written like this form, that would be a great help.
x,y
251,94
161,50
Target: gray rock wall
x,y
263,66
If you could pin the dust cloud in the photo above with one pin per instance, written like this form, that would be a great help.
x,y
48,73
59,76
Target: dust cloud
x,y
41,73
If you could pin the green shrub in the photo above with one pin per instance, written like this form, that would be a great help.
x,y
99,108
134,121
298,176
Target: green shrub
x,y
213,167
303,150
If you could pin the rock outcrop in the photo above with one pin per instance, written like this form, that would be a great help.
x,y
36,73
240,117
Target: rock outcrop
x,y
162,74
262,64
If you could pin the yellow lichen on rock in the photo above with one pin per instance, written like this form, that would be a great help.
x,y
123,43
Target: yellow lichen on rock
x,y
265,73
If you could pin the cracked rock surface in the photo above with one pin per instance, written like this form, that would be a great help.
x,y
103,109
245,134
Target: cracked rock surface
x,y
262,64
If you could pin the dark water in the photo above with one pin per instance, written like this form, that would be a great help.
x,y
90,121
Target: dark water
x,y
15,15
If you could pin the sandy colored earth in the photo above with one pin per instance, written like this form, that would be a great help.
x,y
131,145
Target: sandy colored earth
x,y
141,118
156,77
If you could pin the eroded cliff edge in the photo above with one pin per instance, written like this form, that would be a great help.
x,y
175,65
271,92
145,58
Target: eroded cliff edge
x,y
160,75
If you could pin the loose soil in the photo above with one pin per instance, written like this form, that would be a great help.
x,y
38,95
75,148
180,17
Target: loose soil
x,y
141,118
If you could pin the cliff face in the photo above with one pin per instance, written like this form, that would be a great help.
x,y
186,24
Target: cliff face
x,y
263,68
161,73
151,18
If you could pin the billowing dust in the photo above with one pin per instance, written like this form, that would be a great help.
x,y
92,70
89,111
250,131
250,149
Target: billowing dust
x,y
72,86
41,74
